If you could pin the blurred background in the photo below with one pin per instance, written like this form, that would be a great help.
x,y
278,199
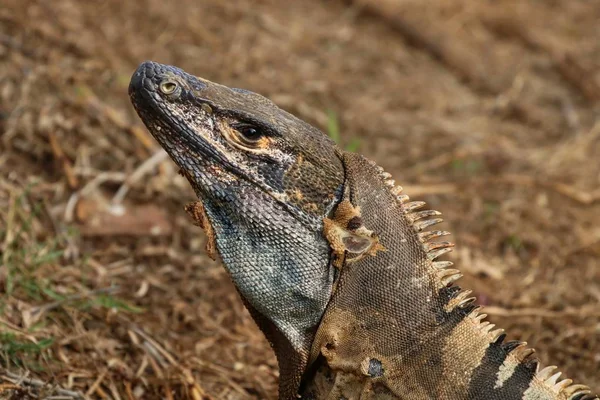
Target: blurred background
x,y
487,110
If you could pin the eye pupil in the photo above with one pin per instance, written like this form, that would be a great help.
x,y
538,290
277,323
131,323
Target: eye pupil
x,y
250,133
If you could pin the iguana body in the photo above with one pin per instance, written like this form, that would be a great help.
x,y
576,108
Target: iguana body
x,y
329,257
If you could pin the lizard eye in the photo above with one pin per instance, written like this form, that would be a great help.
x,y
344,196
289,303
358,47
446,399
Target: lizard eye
x,y
248,137
168,86
249,133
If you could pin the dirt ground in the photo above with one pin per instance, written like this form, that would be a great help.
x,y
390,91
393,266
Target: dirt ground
x,y
487,110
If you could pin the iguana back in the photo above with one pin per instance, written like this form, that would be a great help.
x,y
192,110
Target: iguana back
x,y
396,327
333,262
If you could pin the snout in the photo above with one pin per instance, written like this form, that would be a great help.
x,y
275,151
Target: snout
x,y
149,74
144,77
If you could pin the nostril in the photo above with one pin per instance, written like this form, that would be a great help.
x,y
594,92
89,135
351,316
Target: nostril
x,y
148,84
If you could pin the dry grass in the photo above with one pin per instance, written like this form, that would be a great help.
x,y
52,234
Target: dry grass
x,y
107,292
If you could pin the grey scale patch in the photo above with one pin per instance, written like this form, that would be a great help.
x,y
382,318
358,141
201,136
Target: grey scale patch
x,y
375,368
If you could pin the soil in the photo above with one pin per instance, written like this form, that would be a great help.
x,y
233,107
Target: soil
x,y
487,110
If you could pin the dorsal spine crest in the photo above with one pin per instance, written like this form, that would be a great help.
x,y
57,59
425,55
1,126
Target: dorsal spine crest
x,y
519,352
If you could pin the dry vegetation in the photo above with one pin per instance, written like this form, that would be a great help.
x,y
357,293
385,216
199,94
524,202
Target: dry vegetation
x,y
488,110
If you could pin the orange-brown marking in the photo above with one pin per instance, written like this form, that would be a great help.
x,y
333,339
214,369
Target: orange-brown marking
x,y
344,237
263,143
296,195
198,213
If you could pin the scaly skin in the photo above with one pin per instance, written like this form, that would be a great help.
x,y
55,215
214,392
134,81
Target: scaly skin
x,y
328,256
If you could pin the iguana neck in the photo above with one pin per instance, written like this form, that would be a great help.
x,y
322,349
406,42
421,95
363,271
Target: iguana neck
x,y
396,327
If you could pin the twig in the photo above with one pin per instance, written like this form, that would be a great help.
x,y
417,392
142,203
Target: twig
x,y
96,385
154,349
100,179
60,156
89,188
153,343
139,172
114,391
128,390
198,392
36,383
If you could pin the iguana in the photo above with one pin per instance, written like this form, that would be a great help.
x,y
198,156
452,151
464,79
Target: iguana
x,y
334,263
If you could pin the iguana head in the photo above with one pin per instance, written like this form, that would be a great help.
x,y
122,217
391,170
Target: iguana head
x,y
266,180
219,135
